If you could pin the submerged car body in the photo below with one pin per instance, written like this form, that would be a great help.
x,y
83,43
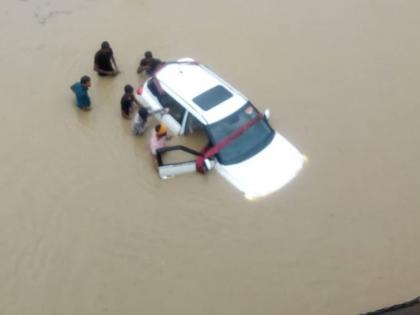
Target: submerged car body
x,y
258,161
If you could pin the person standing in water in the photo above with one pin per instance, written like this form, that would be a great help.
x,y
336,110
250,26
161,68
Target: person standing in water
x,y
105,64
127,101
140,119
158,138
80,89
148,63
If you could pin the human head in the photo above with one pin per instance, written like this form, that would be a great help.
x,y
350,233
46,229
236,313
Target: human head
x,y
85,80
143,113
128,89
148,54
105,45
160,130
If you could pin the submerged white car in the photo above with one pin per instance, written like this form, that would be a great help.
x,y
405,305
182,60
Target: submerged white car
x,y
248,152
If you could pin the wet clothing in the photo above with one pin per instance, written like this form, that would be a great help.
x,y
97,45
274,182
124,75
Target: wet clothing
x,y
139,123
143,113
150,64
157,142
82,97
127,104
103,60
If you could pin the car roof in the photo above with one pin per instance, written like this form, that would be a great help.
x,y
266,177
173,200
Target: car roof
x,y
187,79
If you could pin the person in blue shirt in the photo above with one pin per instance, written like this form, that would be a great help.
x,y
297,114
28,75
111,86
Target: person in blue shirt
x,y
80,89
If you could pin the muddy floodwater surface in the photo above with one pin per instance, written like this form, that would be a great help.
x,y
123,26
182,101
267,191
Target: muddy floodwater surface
x,y
86,225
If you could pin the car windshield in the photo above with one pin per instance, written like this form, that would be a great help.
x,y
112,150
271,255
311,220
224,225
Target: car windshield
x,y
249,143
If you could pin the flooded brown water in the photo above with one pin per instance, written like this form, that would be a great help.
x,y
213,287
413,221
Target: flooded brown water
x,y
87,227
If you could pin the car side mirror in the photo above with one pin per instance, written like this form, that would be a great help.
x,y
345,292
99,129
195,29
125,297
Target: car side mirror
x,y
267,114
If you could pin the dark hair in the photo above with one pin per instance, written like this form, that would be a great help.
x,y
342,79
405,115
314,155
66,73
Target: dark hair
x,y
157,127
85,79
128,89
105,45
143,113
148,54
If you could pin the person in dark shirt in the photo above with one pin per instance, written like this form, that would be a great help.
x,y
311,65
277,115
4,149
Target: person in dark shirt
x,y
140,119
148,63
80,89
105,62
139,123
127,101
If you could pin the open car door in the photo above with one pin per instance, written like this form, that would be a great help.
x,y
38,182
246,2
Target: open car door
x,y
172,168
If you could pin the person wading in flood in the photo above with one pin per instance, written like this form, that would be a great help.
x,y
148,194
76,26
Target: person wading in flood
x,y
158,138
105,62
148,63
127,101
140,119
80,89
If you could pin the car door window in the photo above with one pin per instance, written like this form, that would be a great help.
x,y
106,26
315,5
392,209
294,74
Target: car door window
x,y
192,124
152,87
175,110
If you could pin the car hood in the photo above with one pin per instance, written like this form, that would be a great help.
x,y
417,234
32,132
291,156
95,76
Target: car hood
x,y
267,171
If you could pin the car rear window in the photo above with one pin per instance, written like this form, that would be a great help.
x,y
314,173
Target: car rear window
x,y
212,97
